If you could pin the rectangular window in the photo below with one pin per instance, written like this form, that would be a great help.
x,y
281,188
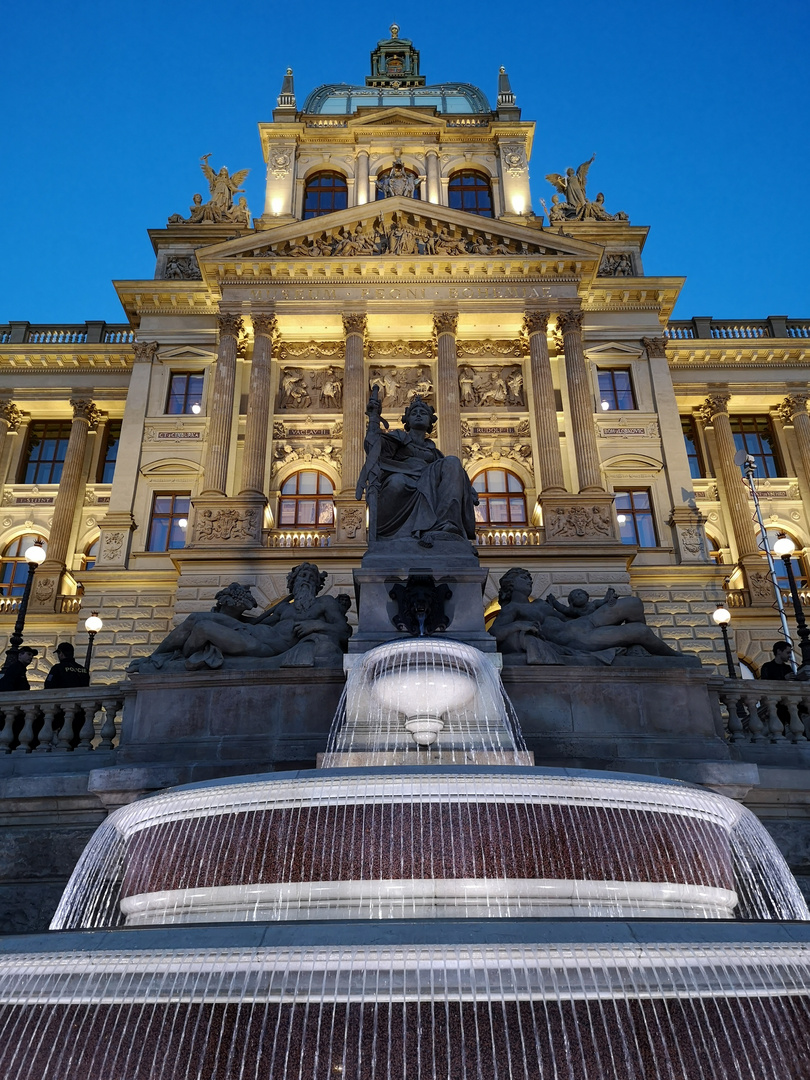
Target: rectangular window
x,y
45,453
616,389
690,438
169,522
106,465
185,393
754,434
636,523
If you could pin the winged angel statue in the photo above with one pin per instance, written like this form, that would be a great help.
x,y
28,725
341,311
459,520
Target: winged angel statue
x,y
223,187
577,206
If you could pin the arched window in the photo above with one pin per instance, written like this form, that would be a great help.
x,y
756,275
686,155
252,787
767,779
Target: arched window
x,y
325,192
501,498
14,568
90,555
307,501
471,191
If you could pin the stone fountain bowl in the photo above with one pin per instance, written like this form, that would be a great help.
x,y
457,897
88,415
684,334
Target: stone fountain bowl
x,y
420,843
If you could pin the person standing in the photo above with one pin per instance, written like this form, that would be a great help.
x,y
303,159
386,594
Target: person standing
x,y
779,667
14,678
67,672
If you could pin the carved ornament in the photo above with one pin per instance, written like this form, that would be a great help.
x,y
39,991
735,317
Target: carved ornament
x,y
354,324
85,410
714,405
266,325
182,268
11,414
618,264
535,322
570,322
227,524
655,346
314,349
445,322
351,520
279,161
795,404
303,388
230,325
580,521
44,589
307,453
518,451
513,155
111,545
405,350
498,387
145,351
474,347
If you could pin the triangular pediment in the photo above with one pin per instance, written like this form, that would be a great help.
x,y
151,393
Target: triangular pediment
x,y
614,348
395,117
400,227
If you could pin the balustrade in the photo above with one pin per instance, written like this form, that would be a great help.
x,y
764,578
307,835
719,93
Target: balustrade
x,y
78,720
511,538
277,538
73,334
765,711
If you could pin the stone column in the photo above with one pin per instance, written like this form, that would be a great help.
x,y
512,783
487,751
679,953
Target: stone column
x,y
715,412
549,455
254,458
351,515
215,469
10,419
581,398
361,184
434,186
445,324
793,410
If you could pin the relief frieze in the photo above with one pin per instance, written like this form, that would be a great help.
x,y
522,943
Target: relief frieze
x,y
301,389
472,347
398,386
311,350
498,387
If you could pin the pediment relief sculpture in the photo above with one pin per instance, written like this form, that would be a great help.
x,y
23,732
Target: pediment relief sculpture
x,y
576,205
220,207
301,389
498,387
399,386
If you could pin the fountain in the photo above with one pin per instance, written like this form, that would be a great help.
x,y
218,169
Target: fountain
x,y
427,903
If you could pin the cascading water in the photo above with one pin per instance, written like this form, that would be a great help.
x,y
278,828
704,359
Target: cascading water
x,y
406,903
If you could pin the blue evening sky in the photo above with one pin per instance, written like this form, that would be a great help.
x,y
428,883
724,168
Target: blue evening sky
x,y
698,112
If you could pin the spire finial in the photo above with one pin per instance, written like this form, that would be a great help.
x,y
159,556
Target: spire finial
x,y
286,99
393,30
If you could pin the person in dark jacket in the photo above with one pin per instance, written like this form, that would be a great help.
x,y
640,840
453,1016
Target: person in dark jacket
x,y
779,667
14,677
67,672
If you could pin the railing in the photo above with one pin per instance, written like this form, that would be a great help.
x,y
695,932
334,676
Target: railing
x,y
279,539
798,329
765,711
60,721
65,604
736,329
507,538
90,333
468,121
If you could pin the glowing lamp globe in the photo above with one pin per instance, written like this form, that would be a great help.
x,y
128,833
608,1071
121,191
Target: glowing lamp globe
x,y
35,554
93,623
784,546
722,616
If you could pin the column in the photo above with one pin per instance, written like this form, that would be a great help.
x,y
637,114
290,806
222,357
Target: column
x,y
445,324
215,470
85,416
254,458
793,410
581,398
549,455
434,186
715,412
361,184
354,400
10,419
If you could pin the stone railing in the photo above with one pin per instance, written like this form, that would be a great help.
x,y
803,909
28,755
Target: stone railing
x,y
66,604
283,538
736,329
763,711
90,333
60,721
508,537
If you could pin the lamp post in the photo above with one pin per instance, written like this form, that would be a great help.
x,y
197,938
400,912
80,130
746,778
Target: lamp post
x,y
784,548
33,555
92,625
722,617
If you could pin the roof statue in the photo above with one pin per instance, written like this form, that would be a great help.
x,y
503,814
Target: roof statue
x,y
220,207
577,206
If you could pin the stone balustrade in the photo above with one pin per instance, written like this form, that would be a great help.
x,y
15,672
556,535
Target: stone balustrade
x,y
735,329
508,537
765,711
60,721
89,333
283,538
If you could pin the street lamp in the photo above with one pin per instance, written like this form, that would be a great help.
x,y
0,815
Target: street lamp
x,y
784,548
33,555
92,625
722,617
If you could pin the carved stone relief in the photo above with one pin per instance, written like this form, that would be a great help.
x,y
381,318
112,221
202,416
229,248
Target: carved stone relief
x,y
475,347
279,160
182,268
405,350
516,450
513,156
399,385
496,387
227,524
111,546
307,453
315,350
301,389
580,521
618,264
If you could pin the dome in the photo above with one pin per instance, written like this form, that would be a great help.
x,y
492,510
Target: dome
x,y
451,99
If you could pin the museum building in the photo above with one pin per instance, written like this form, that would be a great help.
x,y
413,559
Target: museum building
x,y
216,434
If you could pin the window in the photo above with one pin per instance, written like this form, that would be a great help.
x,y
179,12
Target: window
x,y
307,501
501,499
45,453
754,434
185,393
634,511
167,528
90,555
690,438
325,192
106,464
470,190
14,568
616,389
780,572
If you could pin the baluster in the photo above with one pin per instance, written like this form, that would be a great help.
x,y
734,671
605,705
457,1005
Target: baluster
x,y
734,724
756,728
88,728
65,743
46,731
774,723
796,726
27,732
7,733
108,729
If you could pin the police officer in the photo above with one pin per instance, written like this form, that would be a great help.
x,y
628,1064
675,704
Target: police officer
x,y
67,672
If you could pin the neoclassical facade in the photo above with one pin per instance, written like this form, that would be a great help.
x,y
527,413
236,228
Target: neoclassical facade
x,y
218,430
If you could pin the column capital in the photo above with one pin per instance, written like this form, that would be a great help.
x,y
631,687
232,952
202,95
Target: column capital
x,y
655,346
445,322
265,323
355,324
229,324
793,405
10,413
145,351
570,321
535,321
85,410
716,404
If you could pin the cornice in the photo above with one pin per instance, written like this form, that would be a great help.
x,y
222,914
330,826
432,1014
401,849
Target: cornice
x,y
33,358
739,355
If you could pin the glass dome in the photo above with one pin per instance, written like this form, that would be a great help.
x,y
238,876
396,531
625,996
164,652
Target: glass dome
x,y
341,99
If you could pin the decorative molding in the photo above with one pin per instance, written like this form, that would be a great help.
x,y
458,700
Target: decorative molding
x,y
618,264
354,324
316,350
227,524
11,414
445,322
476,347
145,351
86,410
264,324
794,404
305,453
569,322
513,156
655,346
307,388
279,160
404,350
230,325
535,322
716,404
399,385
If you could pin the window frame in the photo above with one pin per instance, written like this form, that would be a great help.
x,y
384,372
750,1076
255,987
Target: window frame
x,y
509,495
310,185
633,514
55,464
10,587
742,440
104,458
173,517
297,499
696,459
797,560
189,398
459,175
612,394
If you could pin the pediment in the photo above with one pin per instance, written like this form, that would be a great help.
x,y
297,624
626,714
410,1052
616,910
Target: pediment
x,y
400,227
614,348
187,352
394,117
